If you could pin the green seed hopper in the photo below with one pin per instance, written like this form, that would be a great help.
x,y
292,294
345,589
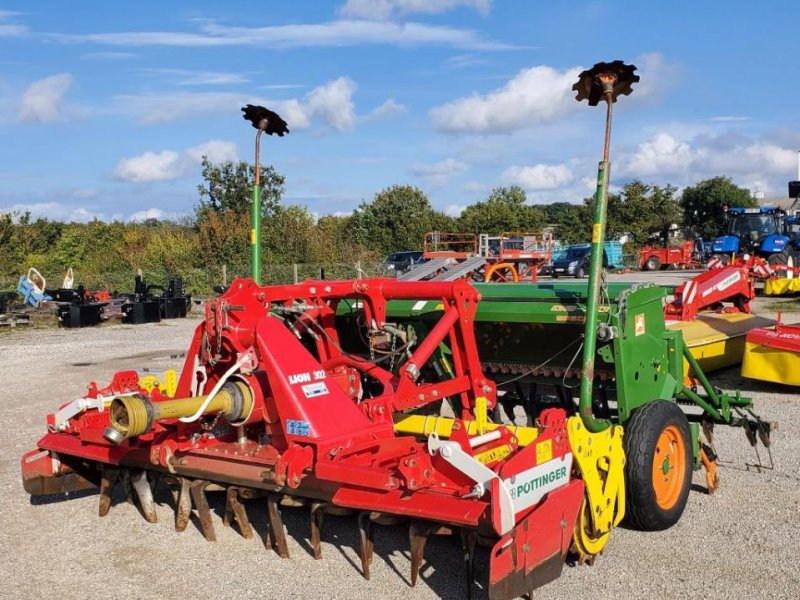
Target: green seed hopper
x,y
531,342
530,338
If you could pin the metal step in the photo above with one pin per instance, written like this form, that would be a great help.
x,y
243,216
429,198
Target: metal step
x,y
461,269
420,272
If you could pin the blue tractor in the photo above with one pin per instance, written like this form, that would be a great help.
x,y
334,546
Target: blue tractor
x,y
753,231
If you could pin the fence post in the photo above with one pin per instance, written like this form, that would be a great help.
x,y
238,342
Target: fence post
x,y
295,278
358,270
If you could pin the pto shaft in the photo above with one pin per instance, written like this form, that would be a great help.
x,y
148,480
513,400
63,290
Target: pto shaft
x,y
135,415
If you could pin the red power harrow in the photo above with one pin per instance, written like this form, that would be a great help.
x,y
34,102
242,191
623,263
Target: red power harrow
x,y
271,404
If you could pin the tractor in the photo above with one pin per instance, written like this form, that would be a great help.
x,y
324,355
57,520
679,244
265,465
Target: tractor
x,y
755,232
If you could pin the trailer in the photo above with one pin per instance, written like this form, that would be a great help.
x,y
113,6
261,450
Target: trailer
x,y
652,258
508,257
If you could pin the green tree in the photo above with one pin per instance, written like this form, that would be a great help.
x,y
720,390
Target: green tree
x,y
229,186
645,211
504,210
703,205
570,224
396,219
287,232
640,211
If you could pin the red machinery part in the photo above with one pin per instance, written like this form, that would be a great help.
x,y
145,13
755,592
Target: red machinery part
x,y
314,432
664,257
711,290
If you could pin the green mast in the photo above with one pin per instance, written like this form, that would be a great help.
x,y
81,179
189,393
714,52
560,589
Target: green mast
x,y
604,81
264,120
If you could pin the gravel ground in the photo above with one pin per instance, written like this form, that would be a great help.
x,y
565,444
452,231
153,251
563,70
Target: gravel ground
x,y
735,544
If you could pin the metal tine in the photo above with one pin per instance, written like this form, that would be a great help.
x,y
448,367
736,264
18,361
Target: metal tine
x,y
125,480
144,495
108,480
276,535
366,542
317,521
366,545
235,509
183,504
200,501
469,539
418,533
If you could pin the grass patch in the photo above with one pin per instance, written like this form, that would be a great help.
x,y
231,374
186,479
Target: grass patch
x,y
790,305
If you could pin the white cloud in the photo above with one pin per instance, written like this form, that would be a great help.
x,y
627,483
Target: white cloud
x,y
152,213
387,108
11,29
539,177
150,166
657,75
439,173
460,61
332,33
535,95
385,9
662,154
108,55
538,95
153,109
333,103
187,77
728,119
55,211
454,210
42,101
169,164
215,150
752,163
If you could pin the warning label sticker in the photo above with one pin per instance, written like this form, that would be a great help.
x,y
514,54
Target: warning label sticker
x,y
638,325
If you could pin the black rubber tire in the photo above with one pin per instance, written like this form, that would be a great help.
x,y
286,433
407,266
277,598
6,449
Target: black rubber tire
x,y
780,258
642,512
652,264
580,273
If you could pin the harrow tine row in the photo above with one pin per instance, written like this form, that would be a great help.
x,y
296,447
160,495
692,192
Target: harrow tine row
x,y
190,495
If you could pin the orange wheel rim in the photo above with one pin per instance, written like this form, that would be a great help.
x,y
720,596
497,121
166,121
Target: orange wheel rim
x,y
501,273
669,467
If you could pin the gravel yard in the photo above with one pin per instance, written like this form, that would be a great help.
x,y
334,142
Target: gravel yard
x,y
736,544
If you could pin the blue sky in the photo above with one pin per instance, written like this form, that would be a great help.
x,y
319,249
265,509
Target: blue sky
x,y
105,112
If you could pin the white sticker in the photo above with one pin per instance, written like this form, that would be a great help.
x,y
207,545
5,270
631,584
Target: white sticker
x,y
312,390
530,486
419,305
